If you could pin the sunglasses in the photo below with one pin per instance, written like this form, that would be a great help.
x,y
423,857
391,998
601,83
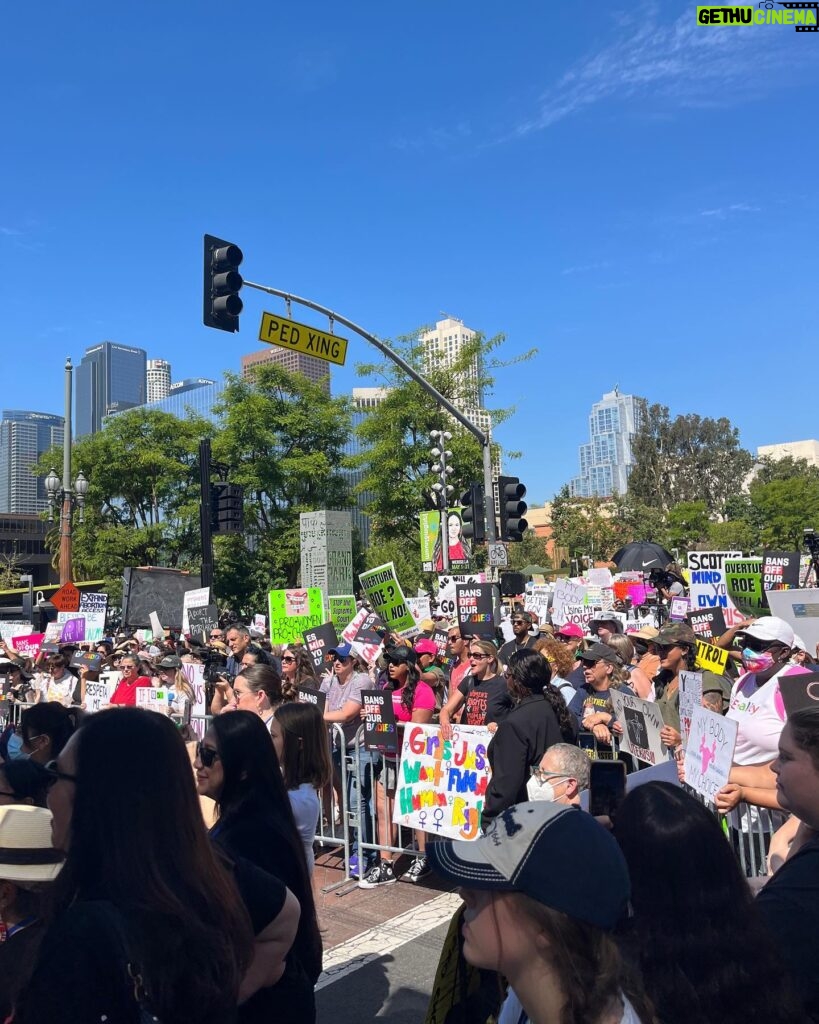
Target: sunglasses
x,y
519,622
453,638
478,657
207,755
55,775
338,658
287,658
758,646
565,639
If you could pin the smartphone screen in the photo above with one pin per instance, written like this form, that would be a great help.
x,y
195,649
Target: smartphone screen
x,y
607,787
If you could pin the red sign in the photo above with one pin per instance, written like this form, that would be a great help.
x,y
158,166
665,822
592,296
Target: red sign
x,y
28,646
66,599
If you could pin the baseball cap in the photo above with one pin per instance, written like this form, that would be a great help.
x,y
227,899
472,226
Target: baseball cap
x,y
799,643
676,633
170,661
770,629
425,646
401,653
515,854
526,616
570,629
343,650
600,652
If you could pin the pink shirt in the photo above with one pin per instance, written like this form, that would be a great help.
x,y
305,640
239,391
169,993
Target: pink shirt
x,y
423,700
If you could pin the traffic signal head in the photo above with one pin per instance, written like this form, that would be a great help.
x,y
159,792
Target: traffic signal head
x,y
222,284
226,508
512,508
473,514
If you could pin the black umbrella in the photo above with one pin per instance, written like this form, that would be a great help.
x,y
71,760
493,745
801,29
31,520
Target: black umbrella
x,y
641,556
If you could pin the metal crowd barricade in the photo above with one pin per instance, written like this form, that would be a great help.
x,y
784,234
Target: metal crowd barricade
x,y
748,829
334,821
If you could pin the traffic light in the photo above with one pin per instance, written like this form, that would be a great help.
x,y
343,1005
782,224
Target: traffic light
x,y
474,514
512,508
226,508
222,284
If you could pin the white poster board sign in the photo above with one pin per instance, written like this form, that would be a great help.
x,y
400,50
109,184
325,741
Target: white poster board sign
x,y
690,698
710,752
445,601
641,721
99,692
800,609
567,594
193,599
707,587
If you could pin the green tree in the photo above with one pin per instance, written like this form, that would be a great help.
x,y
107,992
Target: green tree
x,y
635,520
281,437
733,535
687,459
786,507
396,459
687,525
530,551
142,502
584,525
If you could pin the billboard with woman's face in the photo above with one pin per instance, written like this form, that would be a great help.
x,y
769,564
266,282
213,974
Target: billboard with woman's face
x,y
459,547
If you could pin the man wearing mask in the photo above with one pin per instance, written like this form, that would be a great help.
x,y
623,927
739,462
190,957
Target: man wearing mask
x,y
561,776
522,639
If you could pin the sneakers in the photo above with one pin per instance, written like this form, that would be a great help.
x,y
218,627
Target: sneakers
x,y
355,870
418,869
379,874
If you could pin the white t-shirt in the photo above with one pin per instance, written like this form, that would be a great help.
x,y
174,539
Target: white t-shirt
x,y
760,716
306,807
60,690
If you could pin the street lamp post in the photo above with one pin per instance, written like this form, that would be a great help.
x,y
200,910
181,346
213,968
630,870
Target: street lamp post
x,y
64,496
442,487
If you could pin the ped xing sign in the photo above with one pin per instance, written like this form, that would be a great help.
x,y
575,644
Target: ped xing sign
x,y
287,333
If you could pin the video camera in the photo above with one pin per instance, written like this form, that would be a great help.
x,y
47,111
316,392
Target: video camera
x,y
811,541
660,579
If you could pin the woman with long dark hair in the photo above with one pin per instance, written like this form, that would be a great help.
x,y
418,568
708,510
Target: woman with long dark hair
x,y
694,931
297,670
538,720
45,729
142,891
236,765
23,781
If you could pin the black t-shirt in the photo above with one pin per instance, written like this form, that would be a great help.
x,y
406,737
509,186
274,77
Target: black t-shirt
x,y
789,905
512,647
487,700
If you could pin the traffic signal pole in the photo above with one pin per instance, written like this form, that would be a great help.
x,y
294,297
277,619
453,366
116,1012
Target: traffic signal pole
x,y
483,439
204,513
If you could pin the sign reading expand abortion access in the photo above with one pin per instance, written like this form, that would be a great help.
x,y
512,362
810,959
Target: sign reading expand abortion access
x,y
442,783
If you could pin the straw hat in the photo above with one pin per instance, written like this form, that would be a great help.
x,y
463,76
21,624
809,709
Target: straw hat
x,y
26,853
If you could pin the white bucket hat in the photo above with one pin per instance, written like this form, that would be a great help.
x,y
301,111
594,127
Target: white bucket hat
x,y
26,853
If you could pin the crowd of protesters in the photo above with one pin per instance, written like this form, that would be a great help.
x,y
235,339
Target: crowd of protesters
x,y
647,918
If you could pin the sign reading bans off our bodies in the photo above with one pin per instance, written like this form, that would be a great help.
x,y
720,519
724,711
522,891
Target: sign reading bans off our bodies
x,y
287,333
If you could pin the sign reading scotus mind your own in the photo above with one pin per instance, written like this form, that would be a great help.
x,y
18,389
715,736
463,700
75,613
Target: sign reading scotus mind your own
x,y
287,333
707,585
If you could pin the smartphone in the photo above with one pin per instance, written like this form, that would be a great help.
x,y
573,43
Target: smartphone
x,y
607,787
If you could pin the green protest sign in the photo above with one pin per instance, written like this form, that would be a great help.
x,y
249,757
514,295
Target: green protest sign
x,y
387,599
293,611
342,610
743,580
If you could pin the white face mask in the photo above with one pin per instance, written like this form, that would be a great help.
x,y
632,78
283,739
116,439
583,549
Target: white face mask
x,y
536,790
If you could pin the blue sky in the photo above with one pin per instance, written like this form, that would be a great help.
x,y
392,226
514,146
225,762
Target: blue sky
x,y
628,192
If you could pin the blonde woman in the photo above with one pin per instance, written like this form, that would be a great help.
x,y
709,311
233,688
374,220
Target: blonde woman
x,y
482,693
181,695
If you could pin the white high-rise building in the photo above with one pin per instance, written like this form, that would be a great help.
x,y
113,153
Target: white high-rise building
x,y
606,460
442,347
157,380
24,438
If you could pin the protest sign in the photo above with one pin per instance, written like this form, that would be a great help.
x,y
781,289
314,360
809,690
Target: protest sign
x,y
441,640
800,609
52,632
708,623
710,658
193,599
362,634
641,721
780,570
599,577
260,623
202,619
537,602
156,626
15,627
567,593
799,689
743,578
73,629
707,587
459,548
195,674
690,698
380,729
87,660
293,611
310,695
578,614
98,692
153,698
93,629
594,597
387,598
679,609
474,606
341,610
420,609
93,601
326,540
710,752
319,641
445,600
442,783
29,645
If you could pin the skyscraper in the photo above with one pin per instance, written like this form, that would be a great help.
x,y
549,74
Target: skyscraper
x,y
195,395
364,401
606,460
316,370
157,379
442,347
24,438
110,378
